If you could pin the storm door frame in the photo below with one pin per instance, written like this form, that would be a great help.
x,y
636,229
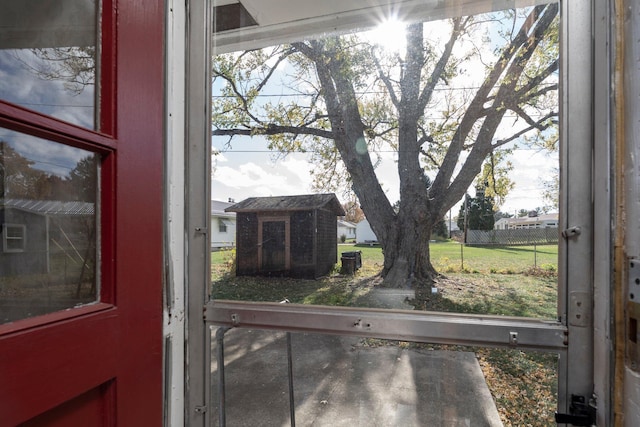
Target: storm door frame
x,y
571,336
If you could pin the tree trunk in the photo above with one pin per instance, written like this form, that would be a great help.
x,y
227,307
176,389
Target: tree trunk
x,y
407,262
404,236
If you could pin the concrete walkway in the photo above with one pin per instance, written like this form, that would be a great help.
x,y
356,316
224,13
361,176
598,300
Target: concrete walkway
x,y
343,381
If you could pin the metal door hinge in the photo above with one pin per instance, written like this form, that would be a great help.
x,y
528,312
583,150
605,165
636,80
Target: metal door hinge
x,y
201,409
580,413
201,230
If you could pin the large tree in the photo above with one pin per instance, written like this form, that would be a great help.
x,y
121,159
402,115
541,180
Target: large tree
x,y
18,178
348,99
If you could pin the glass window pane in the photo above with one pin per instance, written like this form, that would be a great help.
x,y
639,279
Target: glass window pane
x,y
416,162
48,57
48,256
352,381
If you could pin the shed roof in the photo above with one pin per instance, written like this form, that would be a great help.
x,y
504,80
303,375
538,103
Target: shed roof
x,y
50,207
327,201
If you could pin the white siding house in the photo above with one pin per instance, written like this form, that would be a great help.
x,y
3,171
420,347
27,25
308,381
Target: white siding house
x,y
541,221
223,226
364,233
346,229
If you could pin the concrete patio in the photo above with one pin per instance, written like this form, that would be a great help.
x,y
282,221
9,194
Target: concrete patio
x,y
344,381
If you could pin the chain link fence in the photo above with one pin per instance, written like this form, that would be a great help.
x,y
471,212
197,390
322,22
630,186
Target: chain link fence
x,y
523,236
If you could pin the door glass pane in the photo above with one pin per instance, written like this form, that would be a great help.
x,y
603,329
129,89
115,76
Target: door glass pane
x,y
48,57
48,194
417,162
352,381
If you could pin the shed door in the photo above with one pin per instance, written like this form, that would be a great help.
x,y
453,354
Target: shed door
x,y
274,244
81,145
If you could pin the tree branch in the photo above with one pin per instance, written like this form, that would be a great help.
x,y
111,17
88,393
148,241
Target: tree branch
x,y
441,66
272,129
272,70
539,125
511,64
239,96
387,82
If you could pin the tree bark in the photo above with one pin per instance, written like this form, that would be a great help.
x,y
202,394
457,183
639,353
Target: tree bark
x,y
407,260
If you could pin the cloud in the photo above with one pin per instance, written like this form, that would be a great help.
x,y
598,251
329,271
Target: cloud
x,y
48,156
530,170
219,158
20,85
285,177
301,169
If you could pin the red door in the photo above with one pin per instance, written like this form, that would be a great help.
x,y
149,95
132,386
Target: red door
x,y
81,202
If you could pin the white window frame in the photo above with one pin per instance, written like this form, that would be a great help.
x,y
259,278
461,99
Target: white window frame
x,y
222,226
8,241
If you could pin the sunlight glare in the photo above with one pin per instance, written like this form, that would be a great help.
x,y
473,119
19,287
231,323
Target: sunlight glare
x,y
390,35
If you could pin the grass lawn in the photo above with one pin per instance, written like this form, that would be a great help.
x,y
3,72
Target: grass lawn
x,y
449,257
510,281
446,257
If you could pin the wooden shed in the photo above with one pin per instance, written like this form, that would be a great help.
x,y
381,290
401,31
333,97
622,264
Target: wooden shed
x,y
288,235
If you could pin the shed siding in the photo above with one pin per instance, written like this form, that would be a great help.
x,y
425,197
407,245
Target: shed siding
x,y
247,243
327,251
301,240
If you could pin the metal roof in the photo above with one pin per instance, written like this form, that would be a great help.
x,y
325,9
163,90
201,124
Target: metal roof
x,y
327,201
218,209
529,219
50,207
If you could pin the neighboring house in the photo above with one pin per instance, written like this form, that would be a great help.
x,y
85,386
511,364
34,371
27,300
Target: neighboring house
x,y
223,225
452,225
38,236
541,221
346,229
364,233
288,235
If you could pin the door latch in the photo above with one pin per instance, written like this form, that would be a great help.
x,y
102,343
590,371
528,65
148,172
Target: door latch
x,y
580,413
571,232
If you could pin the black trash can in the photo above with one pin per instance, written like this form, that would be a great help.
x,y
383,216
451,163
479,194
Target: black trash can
x,y
351,262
